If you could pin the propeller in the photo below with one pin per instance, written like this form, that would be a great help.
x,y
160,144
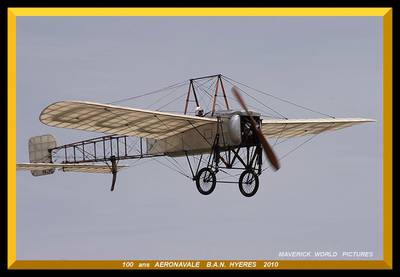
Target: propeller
x,y
267,148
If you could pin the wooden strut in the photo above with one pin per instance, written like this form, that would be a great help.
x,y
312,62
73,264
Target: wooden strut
x,y
191,88
223,91
187,97
195,96
219,80
215,98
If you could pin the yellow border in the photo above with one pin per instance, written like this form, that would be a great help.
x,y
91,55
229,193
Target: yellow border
x,y
200,11
11,136
385,13
255,264
387,138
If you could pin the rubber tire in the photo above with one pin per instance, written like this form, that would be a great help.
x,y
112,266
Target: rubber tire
x,y
241,183
214,181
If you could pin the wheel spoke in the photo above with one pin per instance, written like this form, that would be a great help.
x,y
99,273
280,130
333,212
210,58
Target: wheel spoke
x,y
248,183
247,179
205,181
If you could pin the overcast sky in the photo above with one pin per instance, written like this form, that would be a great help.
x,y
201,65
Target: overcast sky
x,y
327,196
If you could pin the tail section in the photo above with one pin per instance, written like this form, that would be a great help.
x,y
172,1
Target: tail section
x,y
39,152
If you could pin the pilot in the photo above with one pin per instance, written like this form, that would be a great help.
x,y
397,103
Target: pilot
x,y
199,111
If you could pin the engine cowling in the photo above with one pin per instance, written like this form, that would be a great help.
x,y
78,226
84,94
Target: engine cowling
x,y
234,128
240,130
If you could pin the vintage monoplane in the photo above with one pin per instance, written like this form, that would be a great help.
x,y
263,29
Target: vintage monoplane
x,y
219,140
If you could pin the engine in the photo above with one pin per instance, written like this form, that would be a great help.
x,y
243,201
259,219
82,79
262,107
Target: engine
x,y
239,127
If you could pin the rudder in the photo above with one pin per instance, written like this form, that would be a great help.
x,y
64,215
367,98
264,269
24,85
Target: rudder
x,y
39,152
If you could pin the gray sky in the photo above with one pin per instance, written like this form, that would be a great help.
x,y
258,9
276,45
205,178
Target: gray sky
x,y
327,196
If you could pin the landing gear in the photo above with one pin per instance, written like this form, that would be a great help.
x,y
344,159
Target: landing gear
x,y
248,183
205,181
246,157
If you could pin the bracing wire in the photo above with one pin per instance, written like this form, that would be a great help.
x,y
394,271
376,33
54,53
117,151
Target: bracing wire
x,y
292,150
149,93
278,98
150,157
297,147
174,90
258,101
170,102
202,87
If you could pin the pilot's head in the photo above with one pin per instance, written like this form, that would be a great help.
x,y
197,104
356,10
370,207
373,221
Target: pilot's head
x,y
199,111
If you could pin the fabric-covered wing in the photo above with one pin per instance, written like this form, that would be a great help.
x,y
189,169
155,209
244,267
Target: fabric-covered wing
x,y
287,128
117,120
85,168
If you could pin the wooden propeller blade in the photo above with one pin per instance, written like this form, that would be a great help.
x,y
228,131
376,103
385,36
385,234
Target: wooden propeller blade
x,y
267,148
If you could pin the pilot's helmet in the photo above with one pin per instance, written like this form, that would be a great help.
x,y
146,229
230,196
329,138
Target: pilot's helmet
x,y
199,111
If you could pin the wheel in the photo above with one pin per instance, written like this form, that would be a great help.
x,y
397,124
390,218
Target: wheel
x,y
205,181
248,183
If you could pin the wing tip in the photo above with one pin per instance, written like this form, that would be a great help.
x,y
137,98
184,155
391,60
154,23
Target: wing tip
x,y
368,120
